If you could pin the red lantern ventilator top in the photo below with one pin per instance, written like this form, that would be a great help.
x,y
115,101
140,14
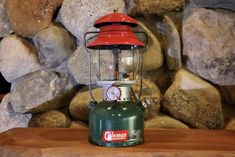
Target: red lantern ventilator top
x,y
116,32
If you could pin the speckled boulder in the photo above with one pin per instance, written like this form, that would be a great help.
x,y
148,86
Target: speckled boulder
x,y
79,16
41,91
151,98
79,124
28,17
208,37
54,45
154,7
164,122
194,101
9,119
18,57
78,65
78,107
5,27
50,119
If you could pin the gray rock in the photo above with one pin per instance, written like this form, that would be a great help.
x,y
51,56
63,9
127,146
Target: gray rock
x,y
5,27
209,39
17,58
194,101
228,4
41,91
64,70
9,119
79,16
78,65
54,45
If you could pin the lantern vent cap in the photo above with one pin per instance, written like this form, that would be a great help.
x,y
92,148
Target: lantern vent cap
x,y
115,18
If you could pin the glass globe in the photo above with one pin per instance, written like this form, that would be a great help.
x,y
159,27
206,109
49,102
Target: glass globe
x,y
116,65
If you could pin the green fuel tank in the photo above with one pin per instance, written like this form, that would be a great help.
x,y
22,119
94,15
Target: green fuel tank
x,y
116,124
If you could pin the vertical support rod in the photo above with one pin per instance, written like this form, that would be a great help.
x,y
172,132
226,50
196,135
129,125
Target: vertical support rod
x,y
133,64
116,63
90,67
99,65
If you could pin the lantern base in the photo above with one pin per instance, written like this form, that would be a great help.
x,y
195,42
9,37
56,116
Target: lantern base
x,y
115,145
117,124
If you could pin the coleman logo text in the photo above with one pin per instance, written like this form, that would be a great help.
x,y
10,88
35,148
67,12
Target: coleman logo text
x,y
115,136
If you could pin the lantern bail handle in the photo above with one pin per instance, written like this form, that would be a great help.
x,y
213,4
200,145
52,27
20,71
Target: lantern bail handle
x,y
142,60
85,43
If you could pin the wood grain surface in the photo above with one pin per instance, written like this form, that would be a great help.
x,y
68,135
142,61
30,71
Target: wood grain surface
x,y
74,142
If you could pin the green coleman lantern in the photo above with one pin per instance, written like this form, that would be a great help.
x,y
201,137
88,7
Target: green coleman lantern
x,y
115,58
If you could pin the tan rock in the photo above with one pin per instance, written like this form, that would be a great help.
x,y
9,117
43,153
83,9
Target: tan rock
x,y
151,98
167,33
79,124
51,119
231,124
29,16
155,7
194,101
78,107
165,122
153,57
177,18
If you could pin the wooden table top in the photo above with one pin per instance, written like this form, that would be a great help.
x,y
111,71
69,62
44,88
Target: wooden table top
x,y
61,142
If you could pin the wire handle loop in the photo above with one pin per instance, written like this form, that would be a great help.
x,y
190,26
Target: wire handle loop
x,y
87,50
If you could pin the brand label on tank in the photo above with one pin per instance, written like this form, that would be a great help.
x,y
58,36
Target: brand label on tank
x,y
115,136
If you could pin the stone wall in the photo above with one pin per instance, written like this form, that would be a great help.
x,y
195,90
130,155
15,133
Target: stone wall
x,y
189,66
